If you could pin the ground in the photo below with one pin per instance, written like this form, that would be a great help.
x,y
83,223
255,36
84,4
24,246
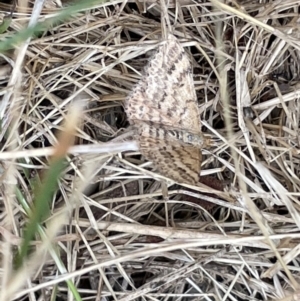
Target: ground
x,y
115,228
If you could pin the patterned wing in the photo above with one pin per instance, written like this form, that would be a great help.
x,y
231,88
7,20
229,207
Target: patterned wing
x,y
173,160
166,95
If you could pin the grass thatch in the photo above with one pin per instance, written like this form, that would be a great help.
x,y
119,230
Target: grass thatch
x,y
114,231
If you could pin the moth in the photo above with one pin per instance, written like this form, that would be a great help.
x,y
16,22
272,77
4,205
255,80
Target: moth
x,y
163,109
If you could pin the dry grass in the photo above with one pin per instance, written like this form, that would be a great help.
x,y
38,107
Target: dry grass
x,y
119,233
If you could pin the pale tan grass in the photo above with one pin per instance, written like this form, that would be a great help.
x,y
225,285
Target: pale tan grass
x,y
145,243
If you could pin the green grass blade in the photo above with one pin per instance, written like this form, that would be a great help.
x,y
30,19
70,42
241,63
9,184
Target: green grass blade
x,y
41,210
23,35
